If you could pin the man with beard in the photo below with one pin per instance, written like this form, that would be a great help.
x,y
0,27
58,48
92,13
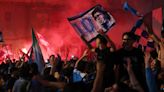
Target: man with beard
x,y
136,57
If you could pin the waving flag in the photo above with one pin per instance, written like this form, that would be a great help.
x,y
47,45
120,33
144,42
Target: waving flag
x,y
142,35
137,25
144,40
42,40
127,7
89,23
37,53
44,43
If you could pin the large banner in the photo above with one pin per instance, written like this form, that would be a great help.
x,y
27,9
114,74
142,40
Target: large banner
x,y
89,23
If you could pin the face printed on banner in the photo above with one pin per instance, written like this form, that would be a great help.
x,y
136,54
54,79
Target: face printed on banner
x,y
103,18
100,17
92,22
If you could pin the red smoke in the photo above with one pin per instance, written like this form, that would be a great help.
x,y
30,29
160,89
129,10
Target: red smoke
x,y
49,18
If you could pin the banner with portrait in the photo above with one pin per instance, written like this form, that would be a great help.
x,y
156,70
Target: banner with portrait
x,y
89,23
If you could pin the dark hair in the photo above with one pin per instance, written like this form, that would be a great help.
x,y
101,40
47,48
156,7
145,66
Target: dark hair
x,y
131,35
34,68
102,39
81,65
24,70
101,10
52,56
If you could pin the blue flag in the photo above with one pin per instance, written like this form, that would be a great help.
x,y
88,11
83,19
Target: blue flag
x,y
137,25
37,53
145,34
129,8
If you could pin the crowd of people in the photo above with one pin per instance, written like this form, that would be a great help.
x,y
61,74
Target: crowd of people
x,y
127,69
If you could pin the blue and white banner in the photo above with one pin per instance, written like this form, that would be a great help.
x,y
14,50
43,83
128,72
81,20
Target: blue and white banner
x,y
36,53
89,23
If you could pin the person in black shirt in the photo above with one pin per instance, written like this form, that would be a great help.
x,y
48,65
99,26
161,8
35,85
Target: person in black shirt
x,y
137,60
104,66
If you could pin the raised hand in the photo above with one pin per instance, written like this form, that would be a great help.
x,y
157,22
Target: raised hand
x,y
129,65
85,53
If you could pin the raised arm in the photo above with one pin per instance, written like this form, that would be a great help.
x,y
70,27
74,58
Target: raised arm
x,y
134,82
147,21
161,55
84,55
97,85
113,47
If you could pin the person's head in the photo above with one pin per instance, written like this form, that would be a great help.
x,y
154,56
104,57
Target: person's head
x,y
101,41
52,60
82,66
24,70
128,38
100,15
22,59
33,69
155,63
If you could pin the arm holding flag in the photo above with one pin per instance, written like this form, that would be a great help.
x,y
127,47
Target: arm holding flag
x,y
158,41
113,47
88,23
